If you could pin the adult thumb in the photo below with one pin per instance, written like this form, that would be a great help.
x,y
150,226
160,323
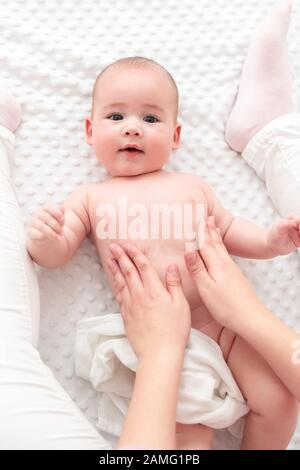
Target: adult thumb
x,y
195,266
173,281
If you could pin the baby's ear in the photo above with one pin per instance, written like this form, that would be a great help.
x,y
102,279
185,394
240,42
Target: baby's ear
x,y
88,130
176,136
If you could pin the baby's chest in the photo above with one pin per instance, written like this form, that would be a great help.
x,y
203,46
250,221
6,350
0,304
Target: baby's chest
x,y
149,214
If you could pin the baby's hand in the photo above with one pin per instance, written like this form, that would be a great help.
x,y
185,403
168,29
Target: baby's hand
x,y
284,237
46,224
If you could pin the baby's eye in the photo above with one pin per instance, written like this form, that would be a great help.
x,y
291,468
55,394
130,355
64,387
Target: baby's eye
x,y
150,118
115,117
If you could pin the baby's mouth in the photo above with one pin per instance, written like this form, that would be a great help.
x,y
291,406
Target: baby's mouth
x,y
131,151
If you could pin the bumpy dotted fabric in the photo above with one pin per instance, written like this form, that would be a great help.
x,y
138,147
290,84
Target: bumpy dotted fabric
x,y
50,54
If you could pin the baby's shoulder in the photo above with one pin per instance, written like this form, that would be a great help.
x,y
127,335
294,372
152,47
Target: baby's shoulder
x,y
192,179
82,194
92,188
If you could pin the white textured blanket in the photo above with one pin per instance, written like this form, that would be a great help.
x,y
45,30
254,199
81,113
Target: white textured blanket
x,y
50,54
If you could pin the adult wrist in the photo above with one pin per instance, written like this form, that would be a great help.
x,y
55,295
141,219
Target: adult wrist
x,y
167,354
240,321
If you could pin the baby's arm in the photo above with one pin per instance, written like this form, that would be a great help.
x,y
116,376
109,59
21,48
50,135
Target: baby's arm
x,y
54,233
246,239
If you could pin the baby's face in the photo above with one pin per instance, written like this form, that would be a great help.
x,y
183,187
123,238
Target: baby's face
x,y
133,107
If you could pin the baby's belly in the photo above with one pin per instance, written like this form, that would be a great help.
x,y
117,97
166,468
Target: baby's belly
x,y
161,254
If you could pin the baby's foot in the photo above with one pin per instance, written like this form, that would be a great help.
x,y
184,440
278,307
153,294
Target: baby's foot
x,y
266,82
10,111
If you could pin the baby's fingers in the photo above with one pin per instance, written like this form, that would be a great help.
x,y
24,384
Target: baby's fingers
x,y
35,234
296,221
295,236
56,211
285,225
43,228
51,221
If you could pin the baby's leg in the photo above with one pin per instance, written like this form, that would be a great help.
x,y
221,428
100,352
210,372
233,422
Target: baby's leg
x,y
265,91
193,437
273,417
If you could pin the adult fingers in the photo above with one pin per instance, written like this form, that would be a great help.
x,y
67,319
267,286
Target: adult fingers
x,y
119,284
148,274
216,237
128,269
215,232
174,282
196,268
212,250
207,246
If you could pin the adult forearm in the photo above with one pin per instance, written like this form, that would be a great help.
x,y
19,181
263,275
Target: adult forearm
x,y
278,344
151,419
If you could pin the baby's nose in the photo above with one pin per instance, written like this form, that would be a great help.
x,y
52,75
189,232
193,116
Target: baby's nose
x,y
132,130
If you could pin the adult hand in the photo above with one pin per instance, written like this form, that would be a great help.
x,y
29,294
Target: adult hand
x,y
155,317
230,299
221,285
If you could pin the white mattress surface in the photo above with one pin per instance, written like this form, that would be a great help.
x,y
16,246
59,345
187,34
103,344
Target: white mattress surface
x,y
50,54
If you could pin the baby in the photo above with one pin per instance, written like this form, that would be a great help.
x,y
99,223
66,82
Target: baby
x,y
133,129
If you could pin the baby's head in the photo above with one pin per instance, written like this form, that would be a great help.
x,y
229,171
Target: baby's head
x,y
135,104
